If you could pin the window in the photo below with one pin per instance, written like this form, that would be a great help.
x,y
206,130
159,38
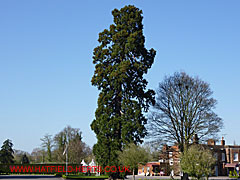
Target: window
x,y
223,156
171,162
170,154
161,160
235,156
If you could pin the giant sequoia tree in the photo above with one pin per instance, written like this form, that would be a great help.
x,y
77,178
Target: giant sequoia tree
x,y
121,60
184,107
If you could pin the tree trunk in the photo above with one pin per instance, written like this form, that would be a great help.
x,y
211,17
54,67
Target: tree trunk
x,y
133,174
185,176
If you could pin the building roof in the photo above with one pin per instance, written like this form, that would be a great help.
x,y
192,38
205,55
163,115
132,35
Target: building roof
x,y
153,163
233,165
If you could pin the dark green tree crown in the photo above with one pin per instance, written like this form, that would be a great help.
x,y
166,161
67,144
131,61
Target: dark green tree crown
x,y
6,152
121,60
25,159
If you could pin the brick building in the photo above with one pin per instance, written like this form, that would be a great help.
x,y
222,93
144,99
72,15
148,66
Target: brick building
x,y
228,158
149,169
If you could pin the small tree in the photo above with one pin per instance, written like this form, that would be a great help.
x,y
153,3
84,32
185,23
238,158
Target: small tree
x,y
134,155
25,159
197,161
6,152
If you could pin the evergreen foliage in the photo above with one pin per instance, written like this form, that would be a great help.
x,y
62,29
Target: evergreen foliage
x,y
6,152
25,159
120,61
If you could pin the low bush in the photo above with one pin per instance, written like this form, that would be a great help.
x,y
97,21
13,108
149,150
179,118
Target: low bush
x,y
233,174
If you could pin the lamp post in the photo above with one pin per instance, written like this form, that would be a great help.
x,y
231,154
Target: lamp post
x,y
66,160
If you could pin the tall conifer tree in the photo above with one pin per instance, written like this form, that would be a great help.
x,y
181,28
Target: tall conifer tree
x,y
6,152
120,61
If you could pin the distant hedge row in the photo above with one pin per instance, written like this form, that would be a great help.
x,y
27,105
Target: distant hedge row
x,y
39,168
85,177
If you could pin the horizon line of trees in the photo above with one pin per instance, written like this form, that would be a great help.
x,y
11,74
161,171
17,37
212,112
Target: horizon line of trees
x,y
51,149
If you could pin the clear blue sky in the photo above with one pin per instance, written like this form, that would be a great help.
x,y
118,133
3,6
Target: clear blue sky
x,y
46,59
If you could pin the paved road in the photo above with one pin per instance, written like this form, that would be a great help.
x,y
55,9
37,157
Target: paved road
x,y
29,177
46,177
152,177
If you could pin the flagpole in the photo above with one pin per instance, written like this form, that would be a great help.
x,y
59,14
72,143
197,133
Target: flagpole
x,y
66,152
67,155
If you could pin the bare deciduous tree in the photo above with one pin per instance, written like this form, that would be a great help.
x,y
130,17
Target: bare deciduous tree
x,y
77,149
184,107
37,155
47,144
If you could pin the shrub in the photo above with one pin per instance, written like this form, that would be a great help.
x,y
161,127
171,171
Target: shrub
x,y
233,174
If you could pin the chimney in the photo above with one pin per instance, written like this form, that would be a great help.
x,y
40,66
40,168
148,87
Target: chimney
x,y
223,142
211,142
